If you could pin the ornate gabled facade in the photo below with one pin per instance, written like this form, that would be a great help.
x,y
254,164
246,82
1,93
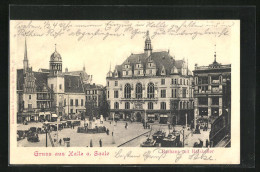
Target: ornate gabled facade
x,y
210,94
48,93
151,85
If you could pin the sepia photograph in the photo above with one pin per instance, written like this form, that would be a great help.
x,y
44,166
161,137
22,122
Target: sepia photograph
x,y
163,85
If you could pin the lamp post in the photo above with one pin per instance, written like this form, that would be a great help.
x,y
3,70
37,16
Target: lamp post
x,y
46,137
183,137
186,117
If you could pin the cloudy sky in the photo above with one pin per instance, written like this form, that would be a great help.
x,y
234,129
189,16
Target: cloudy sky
x,y
98,52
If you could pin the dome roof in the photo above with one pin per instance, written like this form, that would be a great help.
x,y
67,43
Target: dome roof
x,y
55,56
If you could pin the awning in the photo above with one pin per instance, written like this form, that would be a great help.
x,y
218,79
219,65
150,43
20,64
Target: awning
x,y
41,113
151,115
54,115
47,113
164,116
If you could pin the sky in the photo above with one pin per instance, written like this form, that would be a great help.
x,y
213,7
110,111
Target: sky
x,y
97,53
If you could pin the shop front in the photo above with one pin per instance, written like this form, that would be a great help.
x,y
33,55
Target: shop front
x,y
163,119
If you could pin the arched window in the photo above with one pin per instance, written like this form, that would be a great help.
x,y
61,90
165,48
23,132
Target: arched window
x,y
184,105
150,90
116,105
138,91
127,91
180,105
150,105
127,105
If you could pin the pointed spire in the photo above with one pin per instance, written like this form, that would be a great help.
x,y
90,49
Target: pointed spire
x,y
55,48
110,66
215,55
25,50
147,35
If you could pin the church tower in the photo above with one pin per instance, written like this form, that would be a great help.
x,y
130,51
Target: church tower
x,y
148,45
55,63
25,60
56,82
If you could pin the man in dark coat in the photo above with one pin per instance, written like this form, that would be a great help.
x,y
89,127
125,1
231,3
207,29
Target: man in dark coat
x,y
100,143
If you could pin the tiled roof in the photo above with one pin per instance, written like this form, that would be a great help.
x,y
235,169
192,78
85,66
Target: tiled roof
x,y
92,86
161,59
44,70
41,81
73,84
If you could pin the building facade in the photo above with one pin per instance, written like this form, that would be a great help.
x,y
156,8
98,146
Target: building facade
x,y
211,95
151,86
49,92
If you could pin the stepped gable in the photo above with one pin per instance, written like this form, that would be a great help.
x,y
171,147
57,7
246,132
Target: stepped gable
x,y
73,84
40,82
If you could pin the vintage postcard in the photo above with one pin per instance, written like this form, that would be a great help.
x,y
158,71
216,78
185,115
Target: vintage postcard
x,y
124,92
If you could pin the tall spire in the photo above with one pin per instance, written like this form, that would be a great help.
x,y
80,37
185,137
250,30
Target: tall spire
x,y
215,55
25,50
25,60
55,48
110,67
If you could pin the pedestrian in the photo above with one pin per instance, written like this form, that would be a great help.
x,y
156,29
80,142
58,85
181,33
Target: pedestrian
x,y
207,143
60,141
91,144
100,143
112,133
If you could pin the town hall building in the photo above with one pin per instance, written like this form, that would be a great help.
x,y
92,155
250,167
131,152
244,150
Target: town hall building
x,y
151,86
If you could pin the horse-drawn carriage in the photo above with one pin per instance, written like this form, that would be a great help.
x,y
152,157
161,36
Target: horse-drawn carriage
x,y
100,129
21,134
149,143
33,137
158,136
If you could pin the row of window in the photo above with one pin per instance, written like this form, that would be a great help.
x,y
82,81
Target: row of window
x,y
150,92
173,82
91,92
149,105
183,105
76,102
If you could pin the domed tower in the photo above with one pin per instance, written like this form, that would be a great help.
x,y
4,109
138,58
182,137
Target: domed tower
x,y
55,63
56,82
148,45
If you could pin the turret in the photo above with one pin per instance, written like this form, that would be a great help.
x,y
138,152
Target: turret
x,y
148,45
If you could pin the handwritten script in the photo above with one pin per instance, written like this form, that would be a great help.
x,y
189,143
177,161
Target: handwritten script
x,y
85,30
175,155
